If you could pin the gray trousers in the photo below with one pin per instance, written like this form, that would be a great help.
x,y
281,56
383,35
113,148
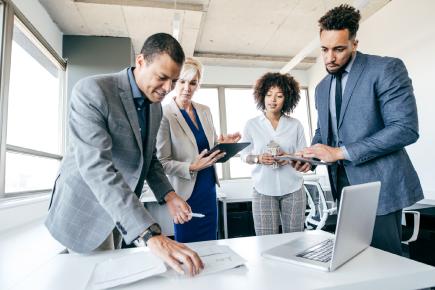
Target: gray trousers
x,y
271,211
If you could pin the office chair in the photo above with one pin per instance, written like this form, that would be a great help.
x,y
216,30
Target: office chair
x,y
418,233
410,219
319,209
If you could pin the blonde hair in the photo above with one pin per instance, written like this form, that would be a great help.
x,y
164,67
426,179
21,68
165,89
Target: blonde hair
x,y
191,68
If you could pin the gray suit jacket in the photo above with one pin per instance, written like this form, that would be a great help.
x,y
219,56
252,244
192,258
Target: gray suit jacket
x,y
94,190
378,119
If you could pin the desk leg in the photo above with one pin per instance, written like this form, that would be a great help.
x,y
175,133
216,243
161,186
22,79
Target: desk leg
x,y
224,212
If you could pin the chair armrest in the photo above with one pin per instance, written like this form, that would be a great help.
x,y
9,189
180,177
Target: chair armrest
x,y
416,229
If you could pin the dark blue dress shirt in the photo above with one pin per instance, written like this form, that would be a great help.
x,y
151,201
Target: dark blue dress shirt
x,y
142,105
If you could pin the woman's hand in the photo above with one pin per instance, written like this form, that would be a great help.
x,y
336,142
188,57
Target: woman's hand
x,y
203,161
230,138
282,162
266,159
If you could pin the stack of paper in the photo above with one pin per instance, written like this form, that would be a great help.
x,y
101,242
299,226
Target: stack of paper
x,y
126,269
140,265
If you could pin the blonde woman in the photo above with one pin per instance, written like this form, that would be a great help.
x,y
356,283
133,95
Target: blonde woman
x,y
186,134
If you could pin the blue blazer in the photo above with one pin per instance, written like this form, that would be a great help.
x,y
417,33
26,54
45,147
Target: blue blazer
x,y
378,119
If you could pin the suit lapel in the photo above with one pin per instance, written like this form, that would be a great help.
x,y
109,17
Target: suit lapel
x,y
323,107
175,111
354,75
153,124
129,107
206,123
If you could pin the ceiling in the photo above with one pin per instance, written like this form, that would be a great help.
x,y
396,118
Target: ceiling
x,y
252,33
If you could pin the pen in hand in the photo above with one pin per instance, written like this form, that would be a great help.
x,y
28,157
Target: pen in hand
x,y
197,215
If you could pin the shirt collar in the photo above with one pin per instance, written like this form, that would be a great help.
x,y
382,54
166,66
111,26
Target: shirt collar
x,y
263,117
349,65
138,97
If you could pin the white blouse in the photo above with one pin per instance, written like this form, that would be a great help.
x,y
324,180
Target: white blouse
x,y
289,134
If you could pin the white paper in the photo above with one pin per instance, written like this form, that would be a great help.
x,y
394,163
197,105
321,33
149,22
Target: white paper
x,y
215,258
126,269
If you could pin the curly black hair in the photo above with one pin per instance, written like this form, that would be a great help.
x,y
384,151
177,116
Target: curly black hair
x,y
288,85
341,17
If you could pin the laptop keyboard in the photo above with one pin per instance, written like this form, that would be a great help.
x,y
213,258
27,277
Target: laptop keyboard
x,y
321,252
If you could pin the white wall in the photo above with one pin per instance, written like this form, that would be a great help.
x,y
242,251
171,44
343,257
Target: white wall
x,y
226,75
38,16
405,29
13,214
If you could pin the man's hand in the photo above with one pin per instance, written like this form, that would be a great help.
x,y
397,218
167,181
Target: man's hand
x,y
323,152
175,254
178,208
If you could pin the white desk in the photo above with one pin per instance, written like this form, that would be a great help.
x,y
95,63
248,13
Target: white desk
x,y
23,249
372,269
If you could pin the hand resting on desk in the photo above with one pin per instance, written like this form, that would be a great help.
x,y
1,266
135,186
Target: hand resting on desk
x,y
175,255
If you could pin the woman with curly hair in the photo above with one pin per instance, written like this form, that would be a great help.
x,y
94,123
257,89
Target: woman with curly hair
x,y
278,194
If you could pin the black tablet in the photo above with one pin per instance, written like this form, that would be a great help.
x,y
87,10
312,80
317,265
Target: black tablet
x,y
230,149
312,161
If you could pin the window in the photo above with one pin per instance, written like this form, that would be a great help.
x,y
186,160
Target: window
x,y
235,100
2,12
210,98
302,113
239,108
236,120
34,120
33,104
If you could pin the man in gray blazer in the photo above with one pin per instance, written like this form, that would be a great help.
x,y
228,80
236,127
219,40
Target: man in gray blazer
x,y
113,123
366,116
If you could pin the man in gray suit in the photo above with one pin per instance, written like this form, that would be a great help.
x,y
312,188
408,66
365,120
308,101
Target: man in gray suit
x,y
113,123
366,116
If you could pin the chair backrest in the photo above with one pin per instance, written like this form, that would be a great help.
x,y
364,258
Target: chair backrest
x,y
318,207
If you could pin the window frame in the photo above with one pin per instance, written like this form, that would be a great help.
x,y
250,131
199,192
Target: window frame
x,y
12,16
226,169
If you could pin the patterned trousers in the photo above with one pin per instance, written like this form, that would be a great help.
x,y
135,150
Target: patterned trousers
x,y
271,211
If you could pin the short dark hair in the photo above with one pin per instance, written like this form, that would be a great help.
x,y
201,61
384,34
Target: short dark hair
x,y
341,17
162,43
288,85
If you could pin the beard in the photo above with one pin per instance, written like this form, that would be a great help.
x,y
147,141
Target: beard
x,y
341,69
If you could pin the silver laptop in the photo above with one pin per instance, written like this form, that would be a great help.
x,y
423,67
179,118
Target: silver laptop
x,y
321,250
